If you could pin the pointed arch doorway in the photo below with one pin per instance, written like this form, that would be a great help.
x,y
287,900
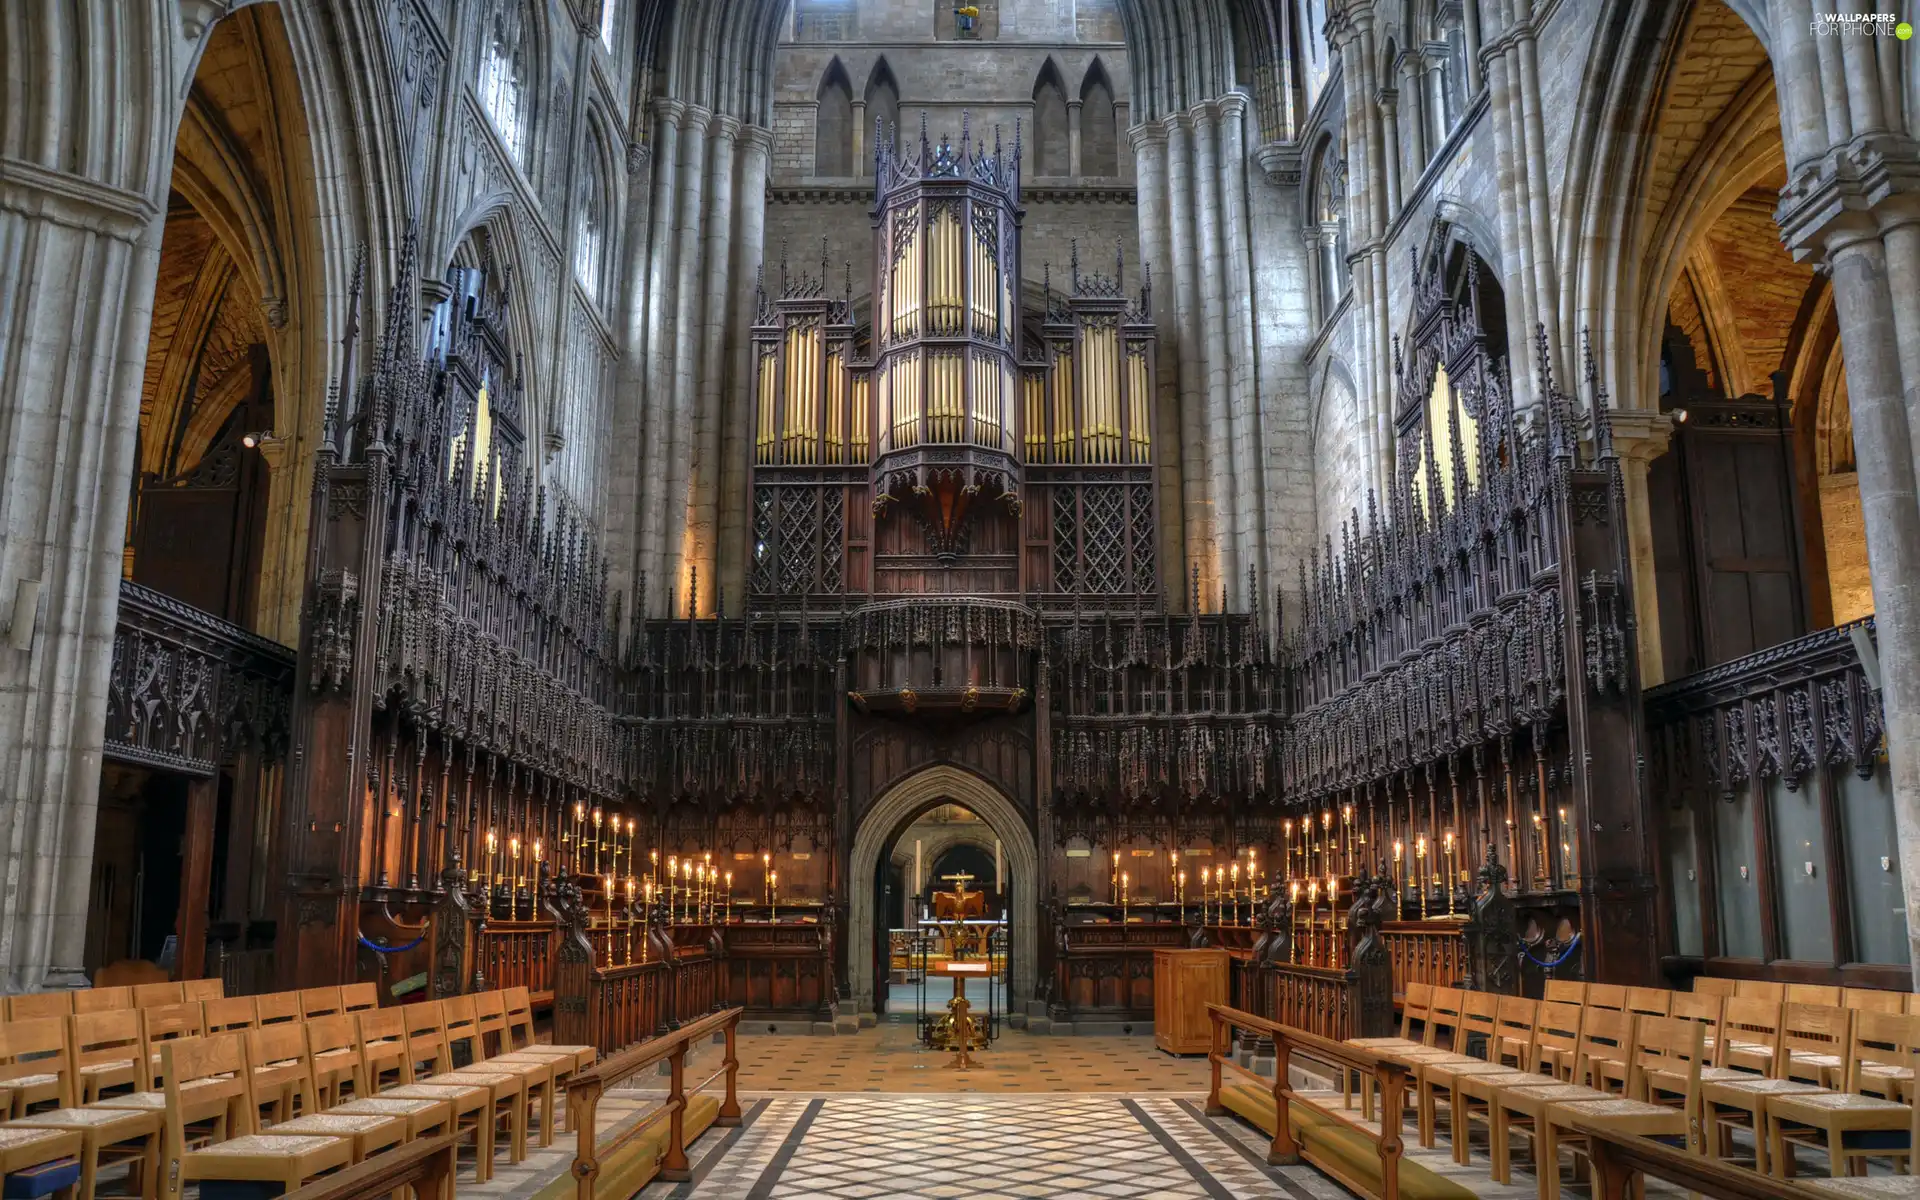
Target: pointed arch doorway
x,y
889,816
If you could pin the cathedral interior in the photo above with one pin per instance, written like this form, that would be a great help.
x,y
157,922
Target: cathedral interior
x,y
734,599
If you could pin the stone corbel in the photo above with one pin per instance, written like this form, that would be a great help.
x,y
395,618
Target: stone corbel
x,y
1280,162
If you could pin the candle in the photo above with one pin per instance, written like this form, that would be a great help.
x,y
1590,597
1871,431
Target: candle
x,y
916,866
998,881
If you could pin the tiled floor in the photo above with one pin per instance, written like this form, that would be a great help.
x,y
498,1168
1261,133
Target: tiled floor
x,y
886,1058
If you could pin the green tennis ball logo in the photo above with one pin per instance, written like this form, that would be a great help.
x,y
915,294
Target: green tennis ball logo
x,y
1903,31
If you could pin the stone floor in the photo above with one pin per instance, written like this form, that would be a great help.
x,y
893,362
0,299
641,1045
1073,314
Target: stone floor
x,y
886,1058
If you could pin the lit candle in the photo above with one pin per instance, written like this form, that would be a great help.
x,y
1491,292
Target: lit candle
x,y
999,884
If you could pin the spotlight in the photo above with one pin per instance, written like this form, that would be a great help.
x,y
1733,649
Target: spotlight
x,y
251,440
1680,415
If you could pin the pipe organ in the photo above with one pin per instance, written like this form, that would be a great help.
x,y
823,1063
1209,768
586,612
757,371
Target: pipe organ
x,y
953,444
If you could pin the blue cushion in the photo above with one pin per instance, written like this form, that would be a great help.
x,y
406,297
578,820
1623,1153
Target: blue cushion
x,y
43,1180
239,1189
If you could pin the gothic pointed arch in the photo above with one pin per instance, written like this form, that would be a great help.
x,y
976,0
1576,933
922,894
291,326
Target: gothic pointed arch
x,y
1099,124
1051,152
833,126
883,99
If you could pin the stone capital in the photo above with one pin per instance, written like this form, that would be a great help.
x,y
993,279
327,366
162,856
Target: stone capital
x,y
1851,192
670,110
1233,104
1388,99
1147,136
1279,162
1640,435
757,137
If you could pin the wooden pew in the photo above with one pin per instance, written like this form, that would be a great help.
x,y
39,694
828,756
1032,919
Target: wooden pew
x,y
425,1165
622,1165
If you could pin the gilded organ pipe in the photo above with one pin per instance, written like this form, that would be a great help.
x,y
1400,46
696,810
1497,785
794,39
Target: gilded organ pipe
x,y
1139,431
836,408
1033,391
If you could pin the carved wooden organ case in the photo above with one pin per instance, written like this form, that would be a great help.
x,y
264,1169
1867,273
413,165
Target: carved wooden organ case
x,y
958,445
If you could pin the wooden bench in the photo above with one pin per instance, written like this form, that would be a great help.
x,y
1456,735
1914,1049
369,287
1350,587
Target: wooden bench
x,y
654,1146
1303,1129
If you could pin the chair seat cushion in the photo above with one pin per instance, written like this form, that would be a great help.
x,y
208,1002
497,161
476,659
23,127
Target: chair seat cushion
x,y
330,1124
270,1145
383,1106
107,1068
77,1118
27,1081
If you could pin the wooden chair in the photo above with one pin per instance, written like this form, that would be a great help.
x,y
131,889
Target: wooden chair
x,y
1434,1077
203,989
164,1023
275,1007
1760,989
102,999
357,996
107,1137
228,1015
1704,1008
278,1056
426,1030
1726,1104
1815,1039
281,1068
1749,1036
1815,993
145,995
1556,1040
1678,1042
34,1006
34,1065
1710,985
520,1029
209,1085
1854,1123
542,1072
1606,995
1513,1024
1522,1108
333,1049
1555,1034
516,1085
319,1002
1649,1002
473,1109
1565,991
1873,1000
383,1048
1605,1050
107,1051
127,972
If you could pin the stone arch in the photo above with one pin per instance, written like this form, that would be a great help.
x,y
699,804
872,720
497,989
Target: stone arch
x,y
891,813
1099,124
1050,135
883,99
833,123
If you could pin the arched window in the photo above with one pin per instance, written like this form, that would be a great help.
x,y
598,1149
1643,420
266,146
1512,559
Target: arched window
x,y
590,221
833,130
606,22
1330,228
1099,128
883,100
506,74
1050,140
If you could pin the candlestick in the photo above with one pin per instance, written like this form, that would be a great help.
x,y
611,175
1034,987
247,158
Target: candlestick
x,y
1206,873
773,885
1233,897
729,897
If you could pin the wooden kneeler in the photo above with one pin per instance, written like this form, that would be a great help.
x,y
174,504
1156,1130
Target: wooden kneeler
x,y
26,1152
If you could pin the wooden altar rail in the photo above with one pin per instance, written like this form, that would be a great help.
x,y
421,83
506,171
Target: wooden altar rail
x,y
1323,1001
586,1089
1430,952
1621,1163
618,1007
425,1165
1389,1075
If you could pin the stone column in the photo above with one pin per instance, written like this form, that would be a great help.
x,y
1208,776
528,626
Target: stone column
x,y
1221,417
1202,522
721,292
78,259
1435,81
628,399
1389,101
660,267
1470,33
678,432
860,150
1149,143
1640,436
1413,87
750,238
1073,137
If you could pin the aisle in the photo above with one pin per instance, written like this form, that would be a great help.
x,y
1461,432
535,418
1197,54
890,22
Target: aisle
x,y
1059,1147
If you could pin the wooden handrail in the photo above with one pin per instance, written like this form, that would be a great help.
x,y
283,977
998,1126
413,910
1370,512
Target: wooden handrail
x,y
585,1090
426,1165
1387,1073
1619,1159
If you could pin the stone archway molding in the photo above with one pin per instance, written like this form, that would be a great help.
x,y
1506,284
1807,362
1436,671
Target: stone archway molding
x,y
892,813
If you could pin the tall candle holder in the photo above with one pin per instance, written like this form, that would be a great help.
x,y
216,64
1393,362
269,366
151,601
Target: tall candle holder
x,y
1419,869
729,911
598,818
773,896
1206,875
1233,896
1123,897
629,923
1286,853
1446,842
1293,921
